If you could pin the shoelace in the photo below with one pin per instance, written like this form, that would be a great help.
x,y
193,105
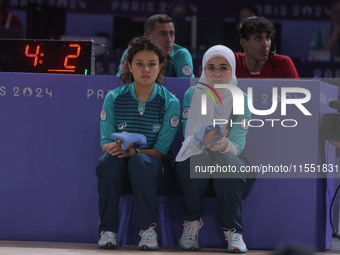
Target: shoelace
x,y
107,234
237,237
192,229
148,234
228,235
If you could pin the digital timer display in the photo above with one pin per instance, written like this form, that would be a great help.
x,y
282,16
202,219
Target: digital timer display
x,y
46,56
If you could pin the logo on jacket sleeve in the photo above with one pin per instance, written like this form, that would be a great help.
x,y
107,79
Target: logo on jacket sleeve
x,y
185,112
187,70
174,121
103,115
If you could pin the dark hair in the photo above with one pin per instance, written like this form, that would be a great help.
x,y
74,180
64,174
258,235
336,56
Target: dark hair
x,y
149,25
182,4
136,45
251,8
255,25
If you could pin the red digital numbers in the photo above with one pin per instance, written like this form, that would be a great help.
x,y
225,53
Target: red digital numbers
x,y
35,54
72,56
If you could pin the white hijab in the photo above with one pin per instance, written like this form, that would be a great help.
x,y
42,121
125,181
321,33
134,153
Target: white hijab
x,y
221,110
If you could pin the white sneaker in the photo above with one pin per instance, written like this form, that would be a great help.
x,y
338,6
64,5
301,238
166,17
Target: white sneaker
x,y
235,241
108,240
148,239
189,238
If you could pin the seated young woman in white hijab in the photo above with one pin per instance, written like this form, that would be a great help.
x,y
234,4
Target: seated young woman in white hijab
x,y
211,155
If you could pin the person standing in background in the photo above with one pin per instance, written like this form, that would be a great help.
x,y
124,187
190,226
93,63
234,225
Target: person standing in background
x,y
242,13
161,28
328,37
246,12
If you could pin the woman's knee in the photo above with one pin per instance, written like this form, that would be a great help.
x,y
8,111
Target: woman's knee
x,y
142,164
230,159
108,164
